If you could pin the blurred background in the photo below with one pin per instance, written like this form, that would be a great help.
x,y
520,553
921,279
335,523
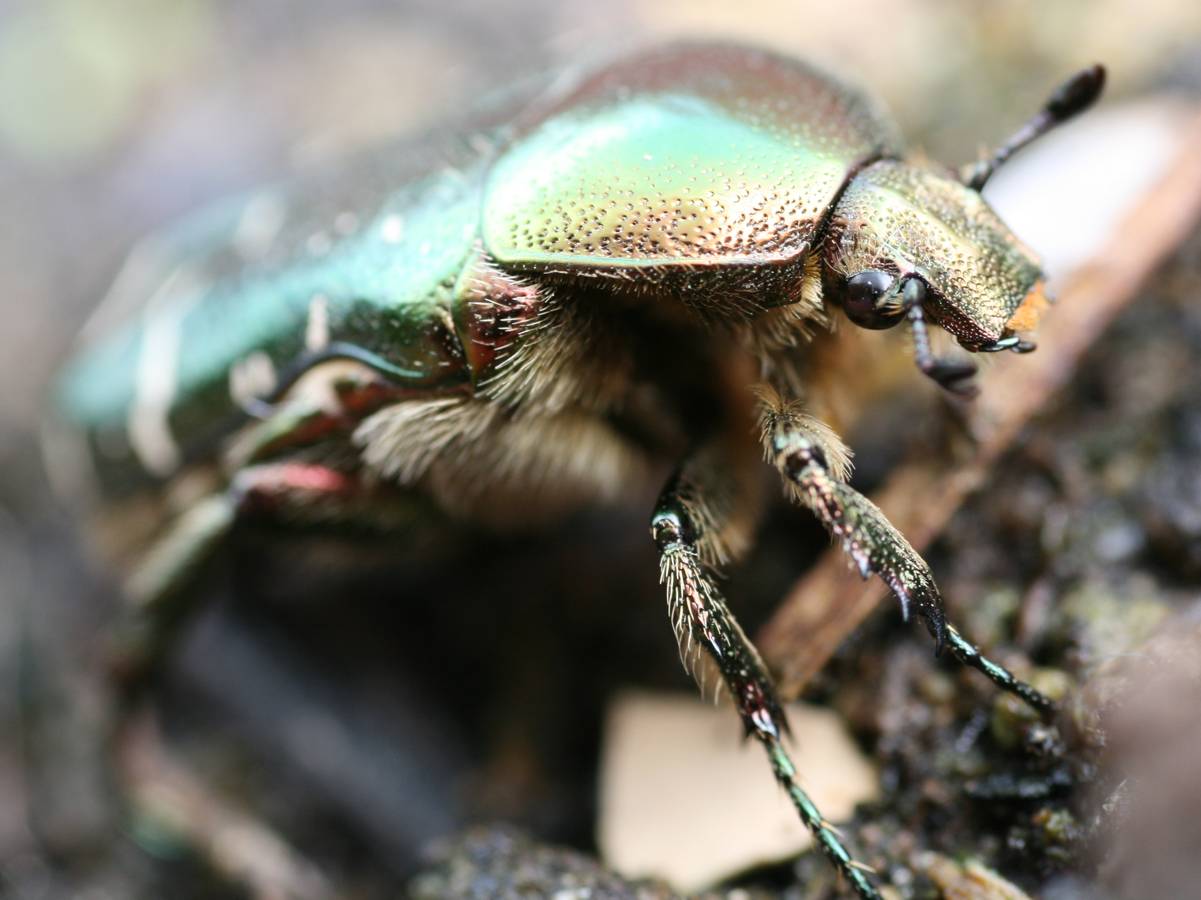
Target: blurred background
x,y
118,115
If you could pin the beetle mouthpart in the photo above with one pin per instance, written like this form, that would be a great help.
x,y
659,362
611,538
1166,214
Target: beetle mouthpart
x,y
952,375
1071,98
1009,342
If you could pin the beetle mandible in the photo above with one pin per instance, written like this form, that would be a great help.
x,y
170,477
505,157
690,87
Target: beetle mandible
x,y
502,334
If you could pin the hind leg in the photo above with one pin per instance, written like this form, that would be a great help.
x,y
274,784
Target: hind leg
x,y
158,790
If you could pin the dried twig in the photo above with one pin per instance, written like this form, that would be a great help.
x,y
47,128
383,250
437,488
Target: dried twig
x,y
830,601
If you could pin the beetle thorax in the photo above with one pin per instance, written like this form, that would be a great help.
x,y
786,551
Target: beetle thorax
x,y
903,218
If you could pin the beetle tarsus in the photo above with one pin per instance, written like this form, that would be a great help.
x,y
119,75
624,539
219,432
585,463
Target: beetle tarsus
x,y
702,619
968,654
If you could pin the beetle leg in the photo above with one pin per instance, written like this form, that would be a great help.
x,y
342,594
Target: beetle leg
x,y
296,493
952,375
703,621
330,397
238,847
156,593
332,402
802,449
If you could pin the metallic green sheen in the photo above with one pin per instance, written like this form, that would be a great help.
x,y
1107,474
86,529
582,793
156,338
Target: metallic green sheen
x,y
690,155
384,271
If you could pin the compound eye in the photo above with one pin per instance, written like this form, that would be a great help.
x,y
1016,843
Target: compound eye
x,y
862,296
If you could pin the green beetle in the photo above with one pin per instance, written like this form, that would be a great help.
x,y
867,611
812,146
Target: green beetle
x,y
625,275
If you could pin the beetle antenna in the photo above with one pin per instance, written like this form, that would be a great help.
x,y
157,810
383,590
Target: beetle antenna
x,y
953,376
1074,96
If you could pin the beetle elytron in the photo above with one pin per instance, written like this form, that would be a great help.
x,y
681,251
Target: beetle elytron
x,y
634,269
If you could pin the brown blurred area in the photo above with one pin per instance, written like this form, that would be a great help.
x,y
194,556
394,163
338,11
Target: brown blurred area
x,y
118,115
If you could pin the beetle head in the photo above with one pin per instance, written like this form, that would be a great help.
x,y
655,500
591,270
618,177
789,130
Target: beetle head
x,y
906,242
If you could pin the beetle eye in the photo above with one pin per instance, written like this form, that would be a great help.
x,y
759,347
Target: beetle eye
x,y
862,300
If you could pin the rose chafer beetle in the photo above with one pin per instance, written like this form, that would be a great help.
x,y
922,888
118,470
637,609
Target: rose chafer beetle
x,y
631,272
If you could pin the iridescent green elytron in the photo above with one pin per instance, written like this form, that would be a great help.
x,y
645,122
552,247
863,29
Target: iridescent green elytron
x,y
673,168
533,318
385,282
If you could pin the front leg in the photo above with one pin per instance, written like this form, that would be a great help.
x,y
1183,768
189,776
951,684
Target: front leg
x,y
689,528
814,464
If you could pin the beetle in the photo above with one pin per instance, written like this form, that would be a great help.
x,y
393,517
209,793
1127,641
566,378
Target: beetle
x,y
636,268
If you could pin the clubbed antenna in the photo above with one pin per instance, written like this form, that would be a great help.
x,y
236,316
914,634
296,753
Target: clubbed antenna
x,y
1074,96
